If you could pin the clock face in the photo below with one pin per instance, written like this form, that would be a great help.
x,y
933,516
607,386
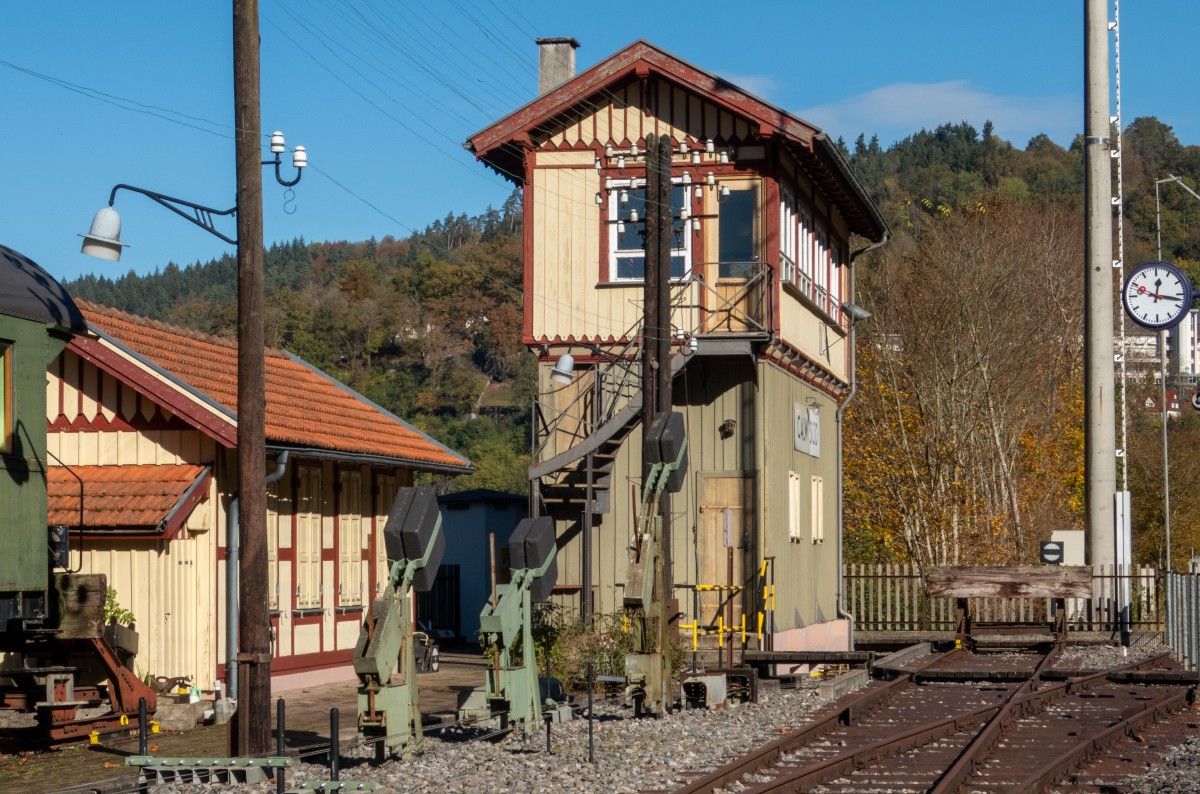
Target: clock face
x,y
1157,295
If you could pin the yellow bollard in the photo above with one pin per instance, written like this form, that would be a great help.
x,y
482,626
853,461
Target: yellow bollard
x,y
153,726
743,629
94,737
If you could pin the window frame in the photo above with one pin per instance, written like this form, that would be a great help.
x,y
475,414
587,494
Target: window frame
x,y
350,538
7,396
613,188
742,269
308,511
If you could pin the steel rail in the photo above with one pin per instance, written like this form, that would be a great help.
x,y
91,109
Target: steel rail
x,y
856,707
982,743
1088,748
760,761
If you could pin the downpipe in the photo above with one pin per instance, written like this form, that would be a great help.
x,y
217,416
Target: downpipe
x,y
842,612
232,555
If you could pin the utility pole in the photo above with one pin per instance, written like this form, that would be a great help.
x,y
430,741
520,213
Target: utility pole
x,y
251,732
1100,381
656,366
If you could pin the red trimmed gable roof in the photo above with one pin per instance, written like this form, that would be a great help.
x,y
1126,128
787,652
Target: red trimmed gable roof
x,y
304,406
502,145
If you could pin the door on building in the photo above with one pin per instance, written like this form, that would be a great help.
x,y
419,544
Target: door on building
x,y
724,537
740,274
439,609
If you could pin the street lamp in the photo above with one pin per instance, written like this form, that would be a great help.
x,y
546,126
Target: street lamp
x,y
247,642
103,239
1162,364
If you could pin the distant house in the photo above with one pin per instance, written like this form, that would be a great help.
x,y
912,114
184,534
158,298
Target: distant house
x,y
767,220
142,442
476,523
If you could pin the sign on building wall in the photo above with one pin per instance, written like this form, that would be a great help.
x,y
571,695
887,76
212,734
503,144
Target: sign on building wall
x,y
808,429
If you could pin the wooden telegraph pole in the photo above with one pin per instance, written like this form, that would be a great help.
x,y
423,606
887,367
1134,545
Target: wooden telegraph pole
x,y
656,366
251,733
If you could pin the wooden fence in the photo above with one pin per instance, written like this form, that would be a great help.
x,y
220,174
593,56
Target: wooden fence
x,y
893,598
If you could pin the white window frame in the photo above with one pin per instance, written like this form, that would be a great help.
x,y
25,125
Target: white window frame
x,y
836,263
820,292
350,538
309,498
788,235
617,213
794,508
805,243
817,502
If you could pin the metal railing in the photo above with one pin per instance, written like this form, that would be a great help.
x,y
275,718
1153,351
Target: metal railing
x,y
1182,632
597,395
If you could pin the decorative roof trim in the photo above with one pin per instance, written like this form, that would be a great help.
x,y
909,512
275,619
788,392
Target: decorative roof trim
x,y
155,383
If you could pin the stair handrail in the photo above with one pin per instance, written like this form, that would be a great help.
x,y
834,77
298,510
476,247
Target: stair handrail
x,y
615,378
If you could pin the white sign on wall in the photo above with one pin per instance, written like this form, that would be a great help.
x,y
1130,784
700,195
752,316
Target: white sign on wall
x,y
808,429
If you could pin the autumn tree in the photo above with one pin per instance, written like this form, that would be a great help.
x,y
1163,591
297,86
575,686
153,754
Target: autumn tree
x,y
959,448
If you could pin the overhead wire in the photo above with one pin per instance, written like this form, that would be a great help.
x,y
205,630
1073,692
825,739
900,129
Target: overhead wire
x,y
215,129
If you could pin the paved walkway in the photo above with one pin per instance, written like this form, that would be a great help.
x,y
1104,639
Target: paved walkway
x,y
307,723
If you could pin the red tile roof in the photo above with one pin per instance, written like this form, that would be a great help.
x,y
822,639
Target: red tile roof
x,y
118,497
304,406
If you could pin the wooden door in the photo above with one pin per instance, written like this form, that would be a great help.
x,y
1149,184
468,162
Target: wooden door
x,y
724,536
739,295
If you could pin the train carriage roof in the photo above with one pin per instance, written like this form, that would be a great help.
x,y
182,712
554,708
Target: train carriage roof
x,y
29,292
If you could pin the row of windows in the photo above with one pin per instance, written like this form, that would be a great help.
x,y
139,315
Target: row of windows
x,y
738,238
815,515
807,260
354,521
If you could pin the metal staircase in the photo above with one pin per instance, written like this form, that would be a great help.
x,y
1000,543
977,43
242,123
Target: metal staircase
x,y
579,428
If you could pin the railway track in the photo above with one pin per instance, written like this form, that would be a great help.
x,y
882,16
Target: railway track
x,y
959,722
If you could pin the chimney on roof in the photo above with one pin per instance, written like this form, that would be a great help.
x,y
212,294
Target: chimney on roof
x,y
556,62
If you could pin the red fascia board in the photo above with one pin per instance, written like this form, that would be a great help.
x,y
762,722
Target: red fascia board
x,y
93,351
182,510
638,59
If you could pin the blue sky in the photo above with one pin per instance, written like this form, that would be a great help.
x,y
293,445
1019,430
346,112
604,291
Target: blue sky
x,y
382,94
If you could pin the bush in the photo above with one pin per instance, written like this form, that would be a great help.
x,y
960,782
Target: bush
x,y
570,644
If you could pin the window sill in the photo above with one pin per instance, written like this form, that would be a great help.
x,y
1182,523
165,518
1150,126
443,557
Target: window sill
x,y
308,613
795,292
635,283
349,609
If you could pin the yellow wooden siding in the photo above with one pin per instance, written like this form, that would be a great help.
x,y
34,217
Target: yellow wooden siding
x,y
168,586
812,336
568,298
